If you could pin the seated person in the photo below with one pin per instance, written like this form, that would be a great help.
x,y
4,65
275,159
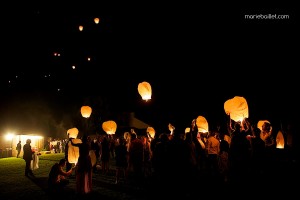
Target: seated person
x,y
57,176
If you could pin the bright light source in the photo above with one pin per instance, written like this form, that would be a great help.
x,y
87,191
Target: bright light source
x,y
9,136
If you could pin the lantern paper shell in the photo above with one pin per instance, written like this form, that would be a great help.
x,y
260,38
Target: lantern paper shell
x,y
202,124
260,123
109,127
144,89
237,108
279,140
127,136
151,132
73,152
86,111
96,20
73,132
80,28
187,130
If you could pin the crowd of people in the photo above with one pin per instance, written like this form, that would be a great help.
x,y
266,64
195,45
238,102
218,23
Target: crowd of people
x,y
238,155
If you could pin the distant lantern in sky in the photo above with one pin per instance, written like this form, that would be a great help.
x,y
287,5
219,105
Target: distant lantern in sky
x,y
110,127
144,89
202,124
73,67
236,108
86,111
89,59
96,20
80,28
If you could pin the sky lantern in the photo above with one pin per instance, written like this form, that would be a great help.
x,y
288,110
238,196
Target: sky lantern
x,y
151,132
260,123
279,140
171,128
86,111
96,20
202,124
73,152
144,89
110,127
80,28
73,132
236,108
187,130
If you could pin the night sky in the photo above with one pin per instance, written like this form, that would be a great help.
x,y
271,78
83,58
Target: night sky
x,y
194,56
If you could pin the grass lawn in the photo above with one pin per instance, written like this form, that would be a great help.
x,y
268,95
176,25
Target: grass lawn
x,y
15,185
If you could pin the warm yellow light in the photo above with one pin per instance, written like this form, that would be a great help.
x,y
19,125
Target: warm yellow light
x,y
73,132
260,123
80,28
144,89
9,136
279,140
96,20
202,124
109,127
187,130
86,111
151,132
237,108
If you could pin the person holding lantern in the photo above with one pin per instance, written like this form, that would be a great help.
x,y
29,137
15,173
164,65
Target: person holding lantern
x,y
84,166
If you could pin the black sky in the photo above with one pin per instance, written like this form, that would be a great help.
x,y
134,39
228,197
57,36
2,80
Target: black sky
x,y
195,56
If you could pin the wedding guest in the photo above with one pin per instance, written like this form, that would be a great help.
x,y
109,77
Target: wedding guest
x,y
28,153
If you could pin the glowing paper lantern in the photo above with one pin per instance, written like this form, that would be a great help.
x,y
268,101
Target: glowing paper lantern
x,y
171,128
187,130
127,136
80,28
86,111
237,108
109,127
73,152
260,123
73,132
96,20
151,132
202,124
279,140
144,89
